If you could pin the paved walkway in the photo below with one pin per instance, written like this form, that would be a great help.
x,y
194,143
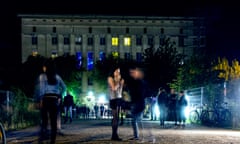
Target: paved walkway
x,y
99,132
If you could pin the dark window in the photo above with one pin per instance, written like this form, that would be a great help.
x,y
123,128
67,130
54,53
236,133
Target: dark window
x,y
162,30
127,56
54,30
54,40
139,57
90,41
181,31
109,30
90,30
139,41
127,30
150,40
145,30
34,40
34,29
202,41
161,41
102,41
180,41
66,41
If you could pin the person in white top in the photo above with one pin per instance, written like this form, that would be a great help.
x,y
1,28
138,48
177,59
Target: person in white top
x,y
115,85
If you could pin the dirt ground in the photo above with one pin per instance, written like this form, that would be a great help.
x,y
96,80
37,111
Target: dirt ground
x,y
99,132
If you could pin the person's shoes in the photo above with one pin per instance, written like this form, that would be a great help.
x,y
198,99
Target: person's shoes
x,y
134,138
116,138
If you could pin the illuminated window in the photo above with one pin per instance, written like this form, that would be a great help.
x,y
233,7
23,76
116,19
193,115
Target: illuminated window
x,y
115,54
34,52
78,40
102,56
79,60
90,61
54,54
127,41
114,41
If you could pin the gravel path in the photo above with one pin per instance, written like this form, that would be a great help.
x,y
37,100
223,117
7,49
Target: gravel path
x,y
99,132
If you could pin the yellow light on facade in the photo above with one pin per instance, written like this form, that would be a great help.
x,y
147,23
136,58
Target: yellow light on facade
x,y
115,54
114,41
127,41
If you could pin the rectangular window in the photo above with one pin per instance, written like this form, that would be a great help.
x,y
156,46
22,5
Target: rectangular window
x,y
127,41
150,40
102,56
54,30
66,41
161,41
90,30
127,30
145,30
90,61
34,29
34,40
54,54
78,60
115,55
34,52
108,30
54,40
78,40
90,41
114,41
139,40
181,41
139,57
102,40
127,56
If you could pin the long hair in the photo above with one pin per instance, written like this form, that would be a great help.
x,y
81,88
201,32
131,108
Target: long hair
x,y
51,72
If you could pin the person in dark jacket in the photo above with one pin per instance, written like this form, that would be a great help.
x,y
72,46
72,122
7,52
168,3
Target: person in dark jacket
x,y
68,105
162,98
137,90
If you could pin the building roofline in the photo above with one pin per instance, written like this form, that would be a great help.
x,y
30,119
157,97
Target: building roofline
x,y
118,17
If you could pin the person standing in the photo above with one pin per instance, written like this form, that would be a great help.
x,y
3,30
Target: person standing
x,y
68,105
162,104
137,90
181,106
51,87
115,85
172,106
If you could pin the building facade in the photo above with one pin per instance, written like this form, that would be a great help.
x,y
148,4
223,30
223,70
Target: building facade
x,y
95,37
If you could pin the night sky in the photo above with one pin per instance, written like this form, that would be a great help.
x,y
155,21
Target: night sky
x,y
223,19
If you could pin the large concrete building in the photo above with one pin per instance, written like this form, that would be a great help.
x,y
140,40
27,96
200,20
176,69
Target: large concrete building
x,y
93,37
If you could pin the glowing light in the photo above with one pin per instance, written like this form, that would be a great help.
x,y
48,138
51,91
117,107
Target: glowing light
x,y
102,98
156,110
90,93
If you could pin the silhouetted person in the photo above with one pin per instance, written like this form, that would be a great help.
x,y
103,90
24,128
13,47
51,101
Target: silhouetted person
x,y
51,87
162,104
181,106
68,104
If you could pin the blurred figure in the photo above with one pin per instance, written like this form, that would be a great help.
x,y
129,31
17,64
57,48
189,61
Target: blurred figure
x,y
162,104
51,87
137,90
68,105
181,106
102,109
115,85
172,106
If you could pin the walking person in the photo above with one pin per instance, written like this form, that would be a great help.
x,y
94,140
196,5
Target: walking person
x,y
115,85
51,87
68,105
137,90
162,104
181,106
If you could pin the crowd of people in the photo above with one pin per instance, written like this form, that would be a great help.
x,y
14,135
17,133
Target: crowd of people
x,y
127,91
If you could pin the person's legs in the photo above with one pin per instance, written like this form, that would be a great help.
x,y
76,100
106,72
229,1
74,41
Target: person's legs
x,y
115,119
53,116
70,112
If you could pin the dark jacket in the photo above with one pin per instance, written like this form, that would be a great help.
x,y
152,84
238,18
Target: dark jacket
x,y
138,92
68,101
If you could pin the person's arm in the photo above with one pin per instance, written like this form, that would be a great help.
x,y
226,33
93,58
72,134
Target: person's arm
x,y
112,84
